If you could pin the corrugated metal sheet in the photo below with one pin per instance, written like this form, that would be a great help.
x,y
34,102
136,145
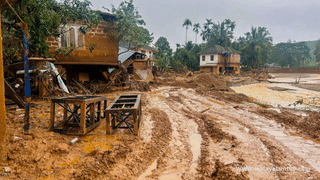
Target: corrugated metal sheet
x,y
124,54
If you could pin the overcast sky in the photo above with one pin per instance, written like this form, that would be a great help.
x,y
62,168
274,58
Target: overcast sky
x,y
298,20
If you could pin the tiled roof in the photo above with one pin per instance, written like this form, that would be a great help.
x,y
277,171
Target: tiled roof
x,y
216,49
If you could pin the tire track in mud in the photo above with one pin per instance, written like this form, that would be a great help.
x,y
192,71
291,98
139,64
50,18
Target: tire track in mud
x,y
138,159
180,161
210,166
280,155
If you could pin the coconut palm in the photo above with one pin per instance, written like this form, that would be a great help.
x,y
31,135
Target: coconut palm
x,y
206,29
187,23
196,28
257,47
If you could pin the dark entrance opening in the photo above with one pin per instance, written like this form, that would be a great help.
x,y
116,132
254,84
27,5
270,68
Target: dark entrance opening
x,y
220,69
229,69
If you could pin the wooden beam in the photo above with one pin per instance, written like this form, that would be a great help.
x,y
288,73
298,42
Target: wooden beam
x,y
13,95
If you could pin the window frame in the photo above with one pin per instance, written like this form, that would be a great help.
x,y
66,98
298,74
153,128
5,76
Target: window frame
x,y
67,33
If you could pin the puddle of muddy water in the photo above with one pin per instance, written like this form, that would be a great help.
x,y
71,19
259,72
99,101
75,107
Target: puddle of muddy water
x,y
72,162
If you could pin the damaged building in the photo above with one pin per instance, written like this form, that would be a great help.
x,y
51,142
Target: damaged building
x,y
219,60
95,51
138,65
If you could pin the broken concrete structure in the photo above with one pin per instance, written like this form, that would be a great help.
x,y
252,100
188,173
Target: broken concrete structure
x,y
136,63
95,50
218,59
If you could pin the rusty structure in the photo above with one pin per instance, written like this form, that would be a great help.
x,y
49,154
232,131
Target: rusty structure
x,y
219,60
124,112
85,114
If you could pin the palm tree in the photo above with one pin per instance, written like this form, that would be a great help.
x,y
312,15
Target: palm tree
x,y
196,28
258,45
221,34
206,29
187,23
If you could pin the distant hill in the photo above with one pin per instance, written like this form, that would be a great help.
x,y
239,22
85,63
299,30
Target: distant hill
x,y
311,45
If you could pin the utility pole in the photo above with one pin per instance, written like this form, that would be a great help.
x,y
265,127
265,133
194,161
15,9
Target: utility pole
x,y
3,120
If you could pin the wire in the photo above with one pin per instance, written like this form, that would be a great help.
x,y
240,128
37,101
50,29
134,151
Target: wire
x,y
14,11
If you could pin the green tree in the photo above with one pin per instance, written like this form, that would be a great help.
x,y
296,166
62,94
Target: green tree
x,y
220,34
196,28
206,29
187,56
256,47
317,51
164,56
44,18
187,23
129,25
290,54
163,45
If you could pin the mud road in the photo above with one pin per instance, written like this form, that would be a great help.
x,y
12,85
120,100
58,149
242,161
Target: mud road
x,y
183,135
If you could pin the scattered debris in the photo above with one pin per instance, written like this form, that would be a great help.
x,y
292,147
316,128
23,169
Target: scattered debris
x,y
227,148
205,110
73,140
7,169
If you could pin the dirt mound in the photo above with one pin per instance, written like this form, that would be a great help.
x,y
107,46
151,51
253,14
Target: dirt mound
x,y
207,80
206,84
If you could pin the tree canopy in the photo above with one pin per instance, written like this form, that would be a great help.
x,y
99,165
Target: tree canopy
x,y
196,28
317,51
218,33
187,22
290,54
164,56
129,25
44,18
255,47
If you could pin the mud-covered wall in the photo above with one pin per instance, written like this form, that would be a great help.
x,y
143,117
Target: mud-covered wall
x,y
97,48
234,58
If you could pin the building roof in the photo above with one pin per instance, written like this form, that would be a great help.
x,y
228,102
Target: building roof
x,y
124,54
216,49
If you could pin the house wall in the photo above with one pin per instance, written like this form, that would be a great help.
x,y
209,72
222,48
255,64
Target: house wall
x,y
234,58
147,52
96,47
140,65
207,60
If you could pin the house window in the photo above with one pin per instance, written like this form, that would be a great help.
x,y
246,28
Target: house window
x,y
143,52
211,57
203,58
71,37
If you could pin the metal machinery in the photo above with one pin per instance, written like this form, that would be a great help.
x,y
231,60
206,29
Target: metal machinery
x,y
124,112
75,121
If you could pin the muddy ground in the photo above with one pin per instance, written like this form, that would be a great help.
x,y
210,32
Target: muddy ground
x,y
193,127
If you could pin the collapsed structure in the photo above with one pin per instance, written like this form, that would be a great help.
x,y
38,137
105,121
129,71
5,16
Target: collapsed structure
x,y
219,60
95,50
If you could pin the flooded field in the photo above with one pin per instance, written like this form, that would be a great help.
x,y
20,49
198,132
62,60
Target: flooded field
x,y
286,90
